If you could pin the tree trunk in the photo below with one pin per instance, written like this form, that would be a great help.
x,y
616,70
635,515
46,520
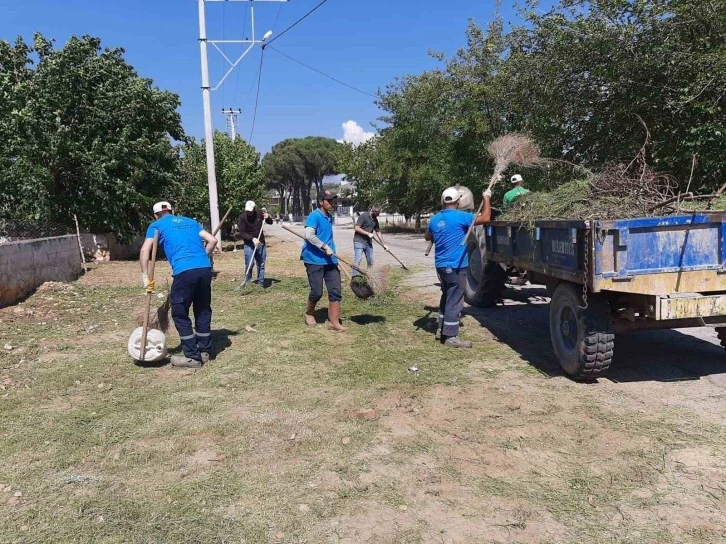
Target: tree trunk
x,y
418,222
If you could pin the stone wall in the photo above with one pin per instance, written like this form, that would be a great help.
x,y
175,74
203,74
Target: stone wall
x,y
105,247
27,264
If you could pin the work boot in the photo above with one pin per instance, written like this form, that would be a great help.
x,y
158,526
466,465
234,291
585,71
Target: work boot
x,y
206,356
334,317
185,362
310,314
456,342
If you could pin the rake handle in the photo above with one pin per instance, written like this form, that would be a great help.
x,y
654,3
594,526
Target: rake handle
x,y
391,253
354,267
145,329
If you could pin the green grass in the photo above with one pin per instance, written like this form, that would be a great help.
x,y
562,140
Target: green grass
x,y
475,446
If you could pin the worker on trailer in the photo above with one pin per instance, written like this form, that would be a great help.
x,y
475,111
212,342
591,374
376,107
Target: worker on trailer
x,y
448,230
514,193
181,238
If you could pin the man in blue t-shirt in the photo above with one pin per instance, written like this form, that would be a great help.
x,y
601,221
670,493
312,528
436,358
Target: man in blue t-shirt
x,y
320,264
448,230
182,239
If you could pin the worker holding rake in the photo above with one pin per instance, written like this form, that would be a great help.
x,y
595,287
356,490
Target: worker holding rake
x,y
321,265
366,228
448,229
252,233
182,239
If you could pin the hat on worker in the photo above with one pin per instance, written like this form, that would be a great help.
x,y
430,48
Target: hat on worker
x,y
516,178
450,195
326,195
250,206
161,206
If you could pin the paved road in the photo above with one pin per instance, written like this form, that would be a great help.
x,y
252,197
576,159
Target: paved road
x,y
522,323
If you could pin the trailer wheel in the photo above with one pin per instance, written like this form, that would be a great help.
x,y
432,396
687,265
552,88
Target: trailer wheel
x,y
582,339
484,279
721,332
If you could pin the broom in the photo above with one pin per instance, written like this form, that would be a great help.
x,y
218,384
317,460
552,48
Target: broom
x,y
159,319
376,277
506,150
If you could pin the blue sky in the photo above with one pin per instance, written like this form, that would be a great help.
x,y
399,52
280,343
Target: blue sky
x,y
366,43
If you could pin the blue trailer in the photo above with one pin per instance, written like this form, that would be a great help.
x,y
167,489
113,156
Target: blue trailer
x,y
607,277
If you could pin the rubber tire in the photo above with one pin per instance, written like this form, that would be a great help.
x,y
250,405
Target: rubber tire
x,y
721,332
590,350
484,285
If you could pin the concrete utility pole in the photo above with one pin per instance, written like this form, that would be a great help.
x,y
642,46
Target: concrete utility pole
x,y
232,121
207,92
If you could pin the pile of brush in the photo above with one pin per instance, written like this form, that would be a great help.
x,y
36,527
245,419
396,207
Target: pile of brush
x,y
619,192
158,317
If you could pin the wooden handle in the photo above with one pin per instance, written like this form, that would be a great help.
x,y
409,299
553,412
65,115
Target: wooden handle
x,y
145,330
354,267
428,249
391,253
216,231
471,227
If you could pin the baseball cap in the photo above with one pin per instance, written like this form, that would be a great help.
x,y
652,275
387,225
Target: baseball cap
x,y
516,178
249,206
326,195
450,195
161,206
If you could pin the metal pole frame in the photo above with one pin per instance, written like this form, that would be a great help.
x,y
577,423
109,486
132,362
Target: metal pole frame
x,y
207,99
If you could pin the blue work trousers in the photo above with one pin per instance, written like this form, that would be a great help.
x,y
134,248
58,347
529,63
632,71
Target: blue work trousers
x,y
453,285
193,289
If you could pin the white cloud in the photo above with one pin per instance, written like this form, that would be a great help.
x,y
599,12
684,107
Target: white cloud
x,y
354,134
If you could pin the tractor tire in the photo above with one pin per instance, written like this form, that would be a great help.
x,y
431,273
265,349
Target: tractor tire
x,y
582,339
485,280
721,332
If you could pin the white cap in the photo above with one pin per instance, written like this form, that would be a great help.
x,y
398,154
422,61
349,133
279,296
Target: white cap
x,y
516,178
161,206
450,195
249,206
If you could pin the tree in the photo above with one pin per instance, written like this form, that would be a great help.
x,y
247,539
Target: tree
x,y
580,76
295,165
81,132
239,177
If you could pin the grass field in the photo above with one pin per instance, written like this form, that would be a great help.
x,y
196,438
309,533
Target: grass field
x,y
269,443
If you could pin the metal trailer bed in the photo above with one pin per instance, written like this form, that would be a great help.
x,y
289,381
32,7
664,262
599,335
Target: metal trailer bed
x,y
608,276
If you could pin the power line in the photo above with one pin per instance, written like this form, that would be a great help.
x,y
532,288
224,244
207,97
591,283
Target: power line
x,y
293,25
322,73
257,99
279,10
242,47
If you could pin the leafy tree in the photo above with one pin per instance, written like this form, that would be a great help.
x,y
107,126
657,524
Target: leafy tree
x,y
81,132
239,177
294,166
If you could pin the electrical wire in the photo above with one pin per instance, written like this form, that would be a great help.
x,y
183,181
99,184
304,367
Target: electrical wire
x,y
279,10
242,48
322,73
293,25
257,99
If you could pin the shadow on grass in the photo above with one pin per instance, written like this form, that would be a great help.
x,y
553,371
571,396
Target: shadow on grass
x,y
367,319
663,356
220,342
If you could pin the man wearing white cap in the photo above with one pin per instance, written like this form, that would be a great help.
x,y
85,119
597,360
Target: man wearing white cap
x,y
182,240
448,230
516,192
251,232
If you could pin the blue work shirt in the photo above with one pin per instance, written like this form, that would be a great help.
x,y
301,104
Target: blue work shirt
x,y
179,236
448,229
323,225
